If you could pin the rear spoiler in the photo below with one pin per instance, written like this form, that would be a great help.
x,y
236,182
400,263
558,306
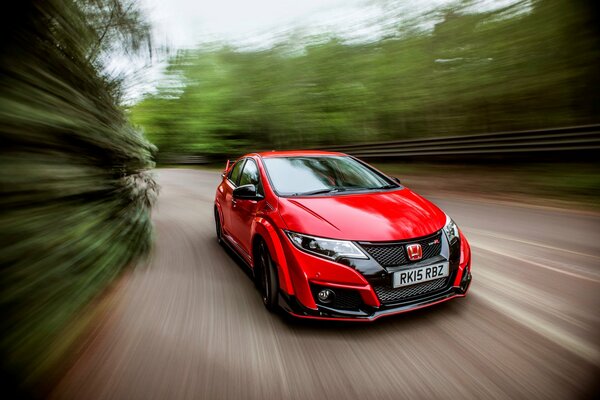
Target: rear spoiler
x,y
229,163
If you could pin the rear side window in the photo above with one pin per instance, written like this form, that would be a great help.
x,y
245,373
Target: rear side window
x,y
234,174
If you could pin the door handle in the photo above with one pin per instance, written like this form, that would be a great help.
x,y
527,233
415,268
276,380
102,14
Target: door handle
x,y
234,202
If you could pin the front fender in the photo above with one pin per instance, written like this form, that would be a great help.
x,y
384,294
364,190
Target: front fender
x,y
268,232
219,211
465,258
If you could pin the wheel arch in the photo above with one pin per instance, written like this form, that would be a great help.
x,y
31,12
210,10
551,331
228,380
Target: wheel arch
x,y
219,211
265,231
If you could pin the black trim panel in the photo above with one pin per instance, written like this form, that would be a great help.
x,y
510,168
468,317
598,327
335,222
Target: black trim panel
x,y
292,306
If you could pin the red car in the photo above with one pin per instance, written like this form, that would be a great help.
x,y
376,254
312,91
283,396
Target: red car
x,y
329,237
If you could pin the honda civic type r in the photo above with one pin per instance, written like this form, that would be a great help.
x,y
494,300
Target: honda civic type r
x,y
329,237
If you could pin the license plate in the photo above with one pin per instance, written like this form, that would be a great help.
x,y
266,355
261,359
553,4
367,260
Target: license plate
x,y
423,274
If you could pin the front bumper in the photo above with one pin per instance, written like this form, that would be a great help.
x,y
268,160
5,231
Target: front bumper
x,y
292,306
310,273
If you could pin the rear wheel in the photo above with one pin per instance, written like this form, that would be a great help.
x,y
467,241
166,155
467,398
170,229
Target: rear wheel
x,y
268,283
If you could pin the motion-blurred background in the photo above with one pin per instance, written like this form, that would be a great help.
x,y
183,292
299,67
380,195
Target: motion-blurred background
x,y
498,98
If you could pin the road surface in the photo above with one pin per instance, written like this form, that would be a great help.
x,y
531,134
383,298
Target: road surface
x,y
190,325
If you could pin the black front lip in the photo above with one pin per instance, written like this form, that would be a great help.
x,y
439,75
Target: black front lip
x,y
292,306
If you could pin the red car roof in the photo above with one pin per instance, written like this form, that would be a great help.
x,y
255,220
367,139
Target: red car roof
x,y
297,153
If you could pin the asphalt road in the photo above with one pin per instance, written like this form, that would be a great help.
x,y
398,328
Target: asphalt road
x,y
190,325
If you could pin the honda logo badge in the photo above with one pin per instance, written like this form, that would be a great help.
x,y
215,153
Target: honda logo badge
x,y
414,251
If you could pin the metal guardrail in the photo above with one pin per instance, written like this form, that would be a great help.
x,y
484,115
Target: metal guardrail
x,y
567,139
171,158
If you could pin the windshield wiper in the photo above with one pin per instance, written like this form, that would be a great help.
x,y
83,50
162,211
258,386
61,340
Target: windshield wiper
x,y
319,191
390,186
342,189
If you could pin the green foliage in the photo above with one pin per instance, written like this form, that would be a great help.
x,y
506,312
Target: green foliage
x,y
521,67
574,184
75,197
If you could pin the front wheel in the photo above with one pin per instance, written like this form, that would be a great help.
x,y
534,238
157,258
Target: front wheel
x,y
268,283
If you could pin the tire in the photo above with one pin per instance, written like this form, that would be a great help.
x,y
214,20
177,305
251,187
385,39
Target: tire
x,y
268,282
218,228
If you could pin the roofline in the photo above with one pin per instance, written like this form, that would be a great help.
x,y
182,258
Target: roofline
x,y
297,153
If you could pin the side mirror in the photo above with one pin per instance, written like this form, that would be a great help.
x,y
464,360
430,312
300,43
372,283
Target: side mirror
x,y
397,180
247,192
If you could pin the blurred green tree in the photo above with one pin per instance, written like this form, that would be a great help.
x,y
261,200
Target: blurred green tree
x,y
75,197
531,64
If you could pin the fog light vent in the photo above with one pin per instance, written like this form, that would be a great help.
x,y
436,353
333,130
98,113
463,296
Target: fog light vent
x,y
326,296
338,298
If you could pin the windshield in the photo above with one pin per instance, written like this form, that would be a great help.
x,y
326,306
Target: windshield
x,y
303,176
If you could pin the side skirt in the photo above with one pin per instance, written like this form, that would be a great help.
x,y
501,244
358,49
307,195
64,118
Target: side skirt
x,y
234,249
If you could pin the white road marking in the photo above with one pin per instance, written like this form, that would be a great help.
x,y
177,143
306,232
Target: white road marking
x,y
518,290
573,344
548,267
537,244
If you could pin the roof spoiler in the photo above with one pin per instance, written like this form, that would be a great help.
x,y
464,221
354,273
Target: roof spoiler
x,y
229,163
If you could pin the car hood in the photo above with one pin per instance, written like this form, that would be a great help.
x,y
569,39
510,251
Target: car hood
x,y
381,216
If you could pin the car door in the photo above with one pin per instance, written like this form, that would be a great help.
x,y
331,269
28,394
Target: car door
x,y
230,183
243,211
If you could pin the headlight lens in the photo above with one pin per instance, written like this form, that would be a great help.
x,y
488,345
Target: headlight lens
x,y
451,230
328,248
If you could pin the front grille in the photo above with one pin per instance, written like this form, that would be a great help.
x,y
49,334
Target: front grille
x,y
391,254
345,299
389,295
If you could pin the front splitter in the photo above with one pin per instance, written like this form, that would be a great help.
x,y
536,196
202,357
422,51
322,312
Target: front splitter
x,y
293,307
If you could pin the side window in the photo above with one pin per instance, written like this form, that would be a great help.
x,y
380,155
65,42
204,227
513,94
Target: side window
x,y
234,174
250,174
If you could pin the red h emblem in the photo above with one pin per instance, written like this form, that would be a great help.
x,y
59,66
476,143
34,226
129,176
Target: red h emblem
x,y
415,252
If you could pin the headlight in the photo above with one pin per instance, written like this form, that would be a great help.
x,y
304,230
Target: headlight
x,y
327,248
451,230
